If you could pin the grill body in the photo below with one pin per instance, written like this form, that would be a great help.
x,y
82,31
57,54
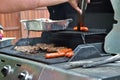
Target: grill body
x,y
87,46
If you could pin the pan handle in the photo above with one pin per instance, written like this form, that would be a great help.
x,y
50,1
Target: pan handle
x,y
97,63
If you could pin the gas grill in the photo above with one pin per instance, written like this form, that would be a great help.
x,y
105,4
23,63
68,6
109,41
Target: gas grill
x,y
88,47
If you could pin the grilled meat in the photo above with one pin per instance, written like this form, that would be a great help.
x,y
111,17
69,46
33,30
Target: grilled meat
x,y
27,49
44,47
38,47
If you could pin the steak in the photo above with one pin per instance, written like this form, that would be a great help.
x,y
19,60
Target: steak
x,y
38,48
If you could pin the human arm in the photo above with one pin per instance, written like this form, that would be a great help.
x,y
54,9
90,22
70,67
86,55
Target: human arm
x,y
20,5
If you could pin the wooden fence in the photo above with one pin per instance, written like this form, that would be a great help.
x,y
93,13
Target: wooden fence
x,y
14,28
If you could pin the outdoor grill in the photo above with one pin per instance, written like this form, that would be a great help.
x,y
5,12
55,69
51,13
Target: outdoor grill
x,y
88,47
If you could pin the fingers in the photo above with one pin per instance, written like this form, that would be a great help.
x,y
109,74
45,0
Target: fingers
x,y
74,4
1,31
79,10
88,1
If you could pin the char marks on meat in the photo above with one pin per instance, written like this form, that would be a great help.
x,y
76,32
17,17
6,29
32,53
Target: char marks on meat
x,y
38,47
27,49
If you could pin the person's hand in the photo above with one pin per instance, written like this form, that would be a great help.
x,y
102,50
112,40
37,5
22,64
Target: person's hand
x,y
1,32
88,1
74,4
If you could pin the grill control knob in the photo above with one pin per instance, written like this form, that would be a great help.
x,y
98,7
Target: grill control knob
x,y
25,76
6,70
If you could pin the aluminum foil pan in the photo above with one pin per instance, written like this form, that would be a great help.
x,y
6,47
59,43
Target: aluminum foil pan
x,y
44,24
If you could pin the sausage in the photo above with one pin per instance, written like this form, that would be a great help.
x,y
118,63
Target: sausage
x,y
64,50
61,53
82,28
69,54
54,55
75,28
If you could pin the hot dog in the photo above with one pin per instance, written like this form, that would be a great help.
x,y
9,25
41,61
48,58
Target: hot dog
x,y
54,55
69,54
64,50
60,53
82,28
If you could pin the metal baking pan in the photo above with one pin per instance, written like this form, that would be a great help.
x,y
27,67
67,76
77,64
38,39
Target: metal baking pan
x,y
44,24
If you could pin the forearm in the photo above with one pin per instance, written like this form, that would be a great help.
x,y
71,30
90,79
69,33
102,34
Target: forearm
x,y
20,5
51,2
16,5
